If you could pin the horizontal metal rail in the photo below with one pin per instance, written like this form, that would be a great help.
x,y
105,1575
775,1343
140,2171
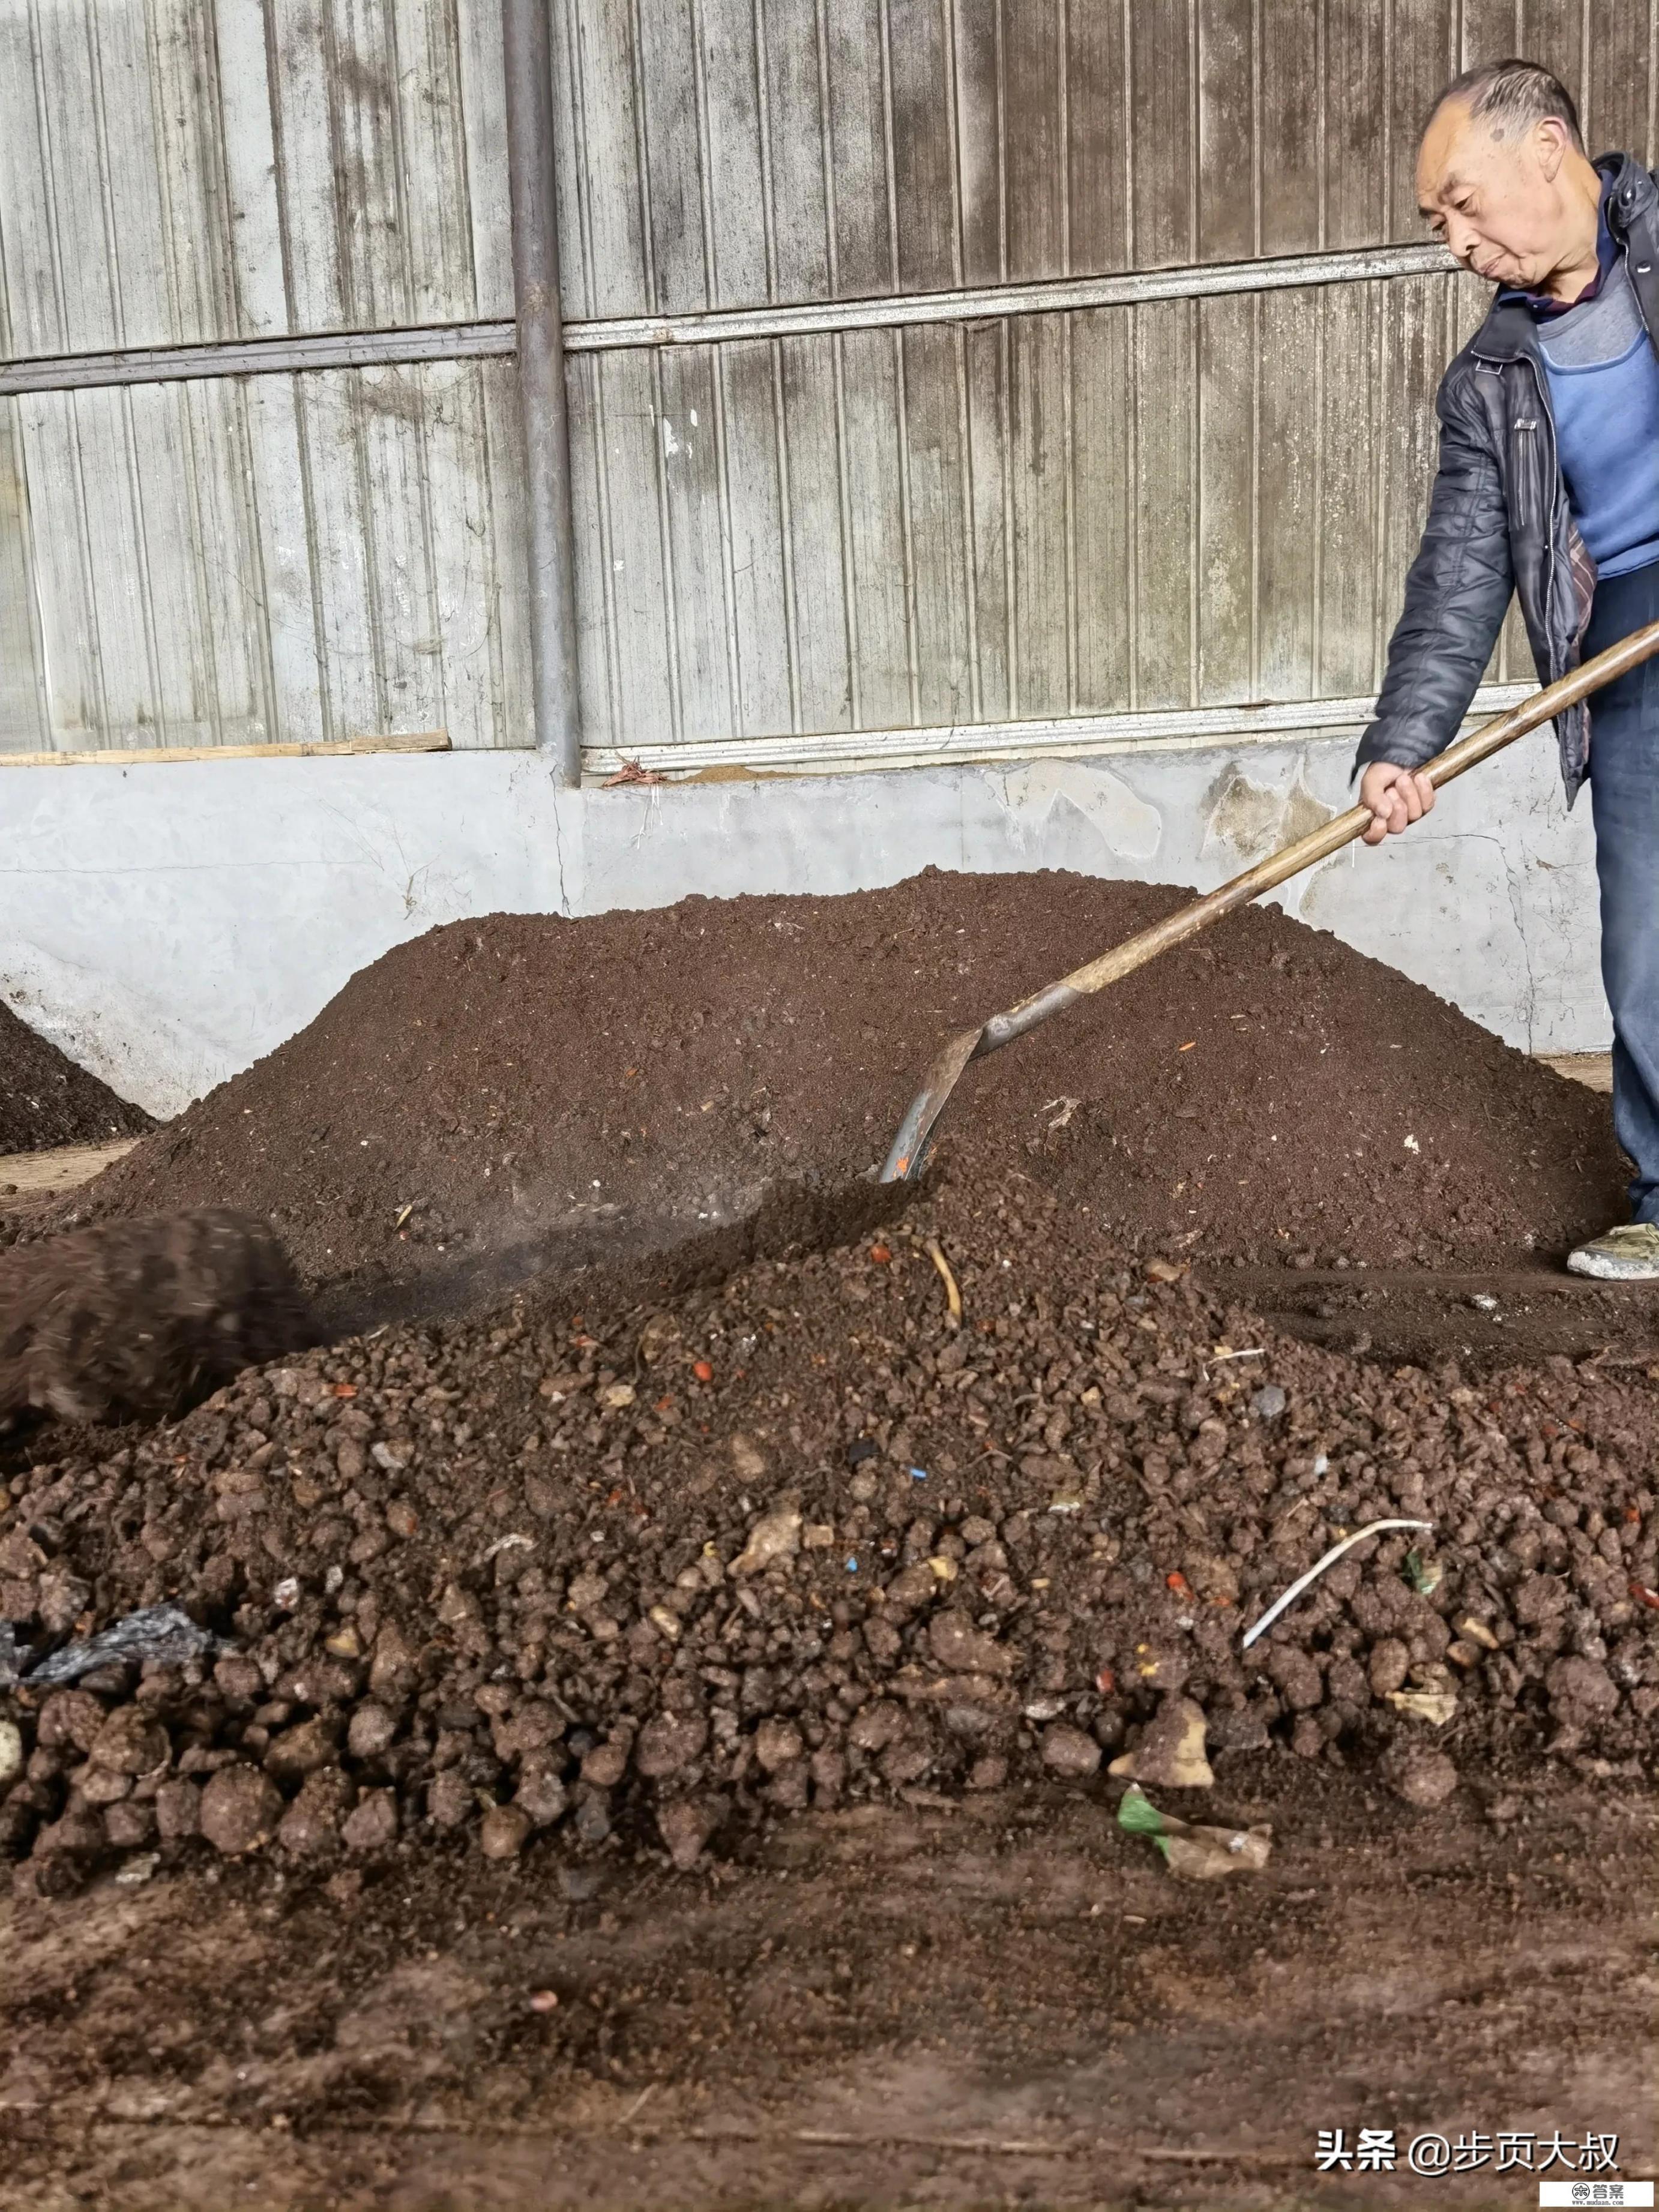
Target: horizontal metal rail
x,y
1058,295
270,356
1179,729
80,372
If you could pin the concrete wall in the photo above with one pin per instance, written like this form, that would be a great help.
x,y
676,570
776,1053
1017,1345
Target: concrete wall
x,y
167,925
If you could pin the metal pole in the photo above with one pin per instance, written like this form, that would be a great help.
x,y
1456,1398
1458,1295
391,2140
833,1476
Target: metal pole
x,y
527,46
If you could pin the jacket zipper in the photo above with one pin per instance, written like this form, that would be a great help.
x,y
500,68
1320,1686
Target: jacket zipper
x,y
1552,475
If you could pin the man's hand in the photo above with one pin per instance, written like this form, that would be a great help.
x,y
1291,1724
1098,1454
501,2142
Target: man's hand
x,y
1397,796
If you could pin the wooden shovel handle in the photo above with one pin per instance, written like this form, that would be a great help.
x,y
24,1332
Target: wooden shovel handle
x,y
1463,754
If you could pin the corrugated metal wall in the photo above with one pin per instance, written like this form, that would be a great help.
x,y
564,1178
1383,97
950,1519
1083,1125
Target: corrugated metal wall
x,y
1136,516
275,557
1125,510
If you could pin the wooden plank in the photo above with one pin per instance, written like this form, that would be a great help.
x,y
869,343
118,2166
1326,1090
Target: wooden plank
x,y
606,129
1041,467
393,405
31,309
68,96
1421,56
1552,31
641,585
107,510
1489,32
222,496
318,294
413,741
1412,355
672,163
981,185
1291,65
508,582
1228,156
1288,503
462,548
693,497
185,700
755,497
197,244
428,120
1617,100
875,534
1349,580
736,187
1101,506
1034,132
596,662
23,716
986,352
484,123
1161,62
1358,149
858,149
350,651
919,60
253,210
936,474
122,126
818,551
366,211
285,576
793,124
1166,395
1096,169
1229,342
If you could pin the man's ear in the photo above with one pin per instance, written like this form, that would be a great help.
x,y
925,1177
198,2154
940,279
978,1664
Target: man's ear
x,y
1551,143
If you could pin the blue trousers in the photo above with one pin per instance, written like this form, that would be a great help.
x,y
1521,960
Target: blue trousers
x,y
1624,798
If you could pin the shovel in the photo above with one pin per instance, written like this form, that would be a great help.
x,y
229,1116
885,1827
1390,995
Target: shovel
x,y
909,1152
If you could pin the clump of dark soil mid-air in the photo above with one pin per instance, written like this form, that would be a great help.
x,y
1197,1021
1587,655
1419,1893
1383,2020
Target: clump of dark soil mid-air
x,y
46,1100
566,1090
138,1319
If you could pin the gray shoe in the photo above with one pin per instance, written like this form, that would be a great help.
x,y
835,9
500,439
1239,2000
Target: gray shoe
x,y
1627,1254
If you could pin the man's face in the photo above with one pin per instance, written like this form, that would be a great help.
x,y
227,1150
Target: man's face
x,y
1498,203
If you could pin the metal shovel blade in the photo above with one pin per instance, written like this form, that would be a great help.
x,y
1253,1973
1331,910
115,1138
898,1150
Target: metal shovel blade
x,y
908,1155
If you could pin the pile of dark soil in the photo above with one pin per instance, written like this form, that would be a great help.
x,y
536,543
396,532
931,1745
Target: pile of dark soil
x,y
46,1100
797,1540
556,1091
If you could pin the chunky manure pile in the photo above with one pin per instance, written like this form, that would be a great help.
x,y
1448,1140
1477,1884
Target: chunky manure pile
x,y
659,1573
525,1092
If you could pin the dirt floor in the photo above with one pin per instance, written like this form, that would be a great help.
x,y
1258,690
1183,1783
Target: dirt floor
x,y
1007,2002
670,1747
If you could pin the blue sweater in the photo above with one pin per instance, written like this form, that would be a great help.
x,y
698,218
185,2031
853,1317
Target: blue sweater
x,y
1604,394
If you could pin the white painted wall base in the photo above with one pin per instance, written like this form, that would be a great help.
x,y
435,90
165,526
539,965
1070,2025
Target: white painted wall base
x,y
167,926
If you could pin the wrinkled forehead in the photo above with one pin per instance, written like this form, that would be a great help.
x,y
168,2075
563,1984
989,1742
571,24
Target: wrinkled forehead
x,y
1458,149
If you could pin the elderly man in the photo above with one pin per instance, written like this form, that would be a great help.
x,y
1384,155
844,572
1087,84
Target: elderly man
x,y
1548,486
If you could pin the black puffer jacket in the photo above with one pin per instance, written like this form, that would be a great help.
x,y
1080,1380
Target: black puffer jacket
x,y
1499,520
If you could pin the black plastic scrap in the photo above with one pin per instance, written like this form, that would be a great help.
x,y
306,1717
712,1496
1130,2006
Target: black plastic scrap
x,y
154,1631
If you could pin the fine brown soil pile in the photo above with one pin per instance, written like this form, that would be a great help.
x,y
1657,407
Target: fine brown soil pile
x,y
46,1100
797,1540
553,1090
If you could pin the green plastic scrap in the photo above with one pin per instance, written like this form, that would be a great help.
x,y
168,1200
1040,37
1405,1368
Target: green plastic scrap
x,y
1424,1575
1137,1815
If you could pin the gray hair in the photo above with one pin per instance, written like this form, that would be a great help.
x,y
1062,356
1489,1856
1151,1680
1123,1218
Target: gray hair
x,y
1512,96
